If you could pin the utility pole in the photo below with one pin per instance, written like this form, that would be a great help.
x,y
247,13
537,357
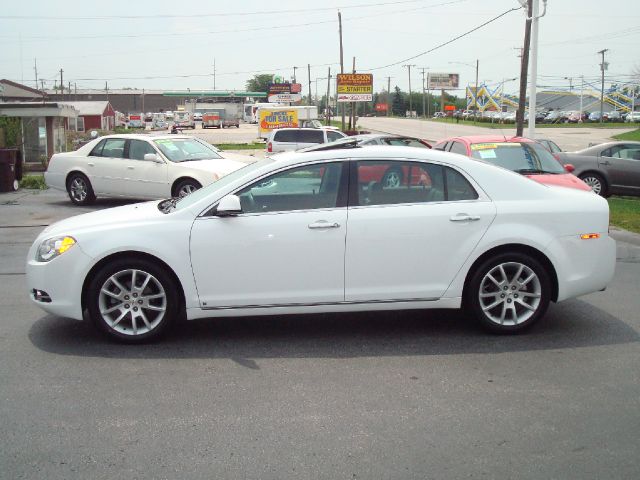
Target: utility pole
x,y
294,73
214,73
309,76
327,110
423,99
352,116
35,69
603,67
428,94
475,112
524,70
410,101
106,89
61,86
388,96
341,60
570,83
535,20
581,93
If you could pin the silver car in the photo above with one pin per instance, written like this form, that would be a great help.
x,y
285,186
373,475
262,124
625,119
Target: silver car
x,y
609,168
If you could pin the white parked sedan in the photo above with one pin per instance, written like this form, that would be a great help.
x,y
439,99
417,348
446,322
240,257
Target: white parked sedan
x,y
316,232
139,166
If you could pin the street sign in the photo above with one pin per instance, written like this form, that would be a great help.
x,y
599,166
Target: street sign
x,y
443,80
355,87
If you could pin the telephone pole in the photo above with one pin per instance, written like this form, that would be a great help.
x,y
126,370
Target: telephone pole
x,y
61,86
603,66
424,111
327,109
388,96
35,69
214,73
294,73
410,101
309,75
524,71
341,60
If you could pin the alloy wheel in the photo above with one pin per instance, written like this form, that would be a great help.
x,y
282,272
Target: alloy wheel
x,y
79,189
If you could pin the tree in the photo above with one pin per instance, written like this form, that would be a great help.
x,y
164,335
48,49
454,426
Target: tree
x,y
398,107
259,83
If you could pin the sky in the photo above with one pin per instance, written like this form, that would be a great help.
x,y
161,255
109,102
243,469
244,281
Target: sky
x,y
173,45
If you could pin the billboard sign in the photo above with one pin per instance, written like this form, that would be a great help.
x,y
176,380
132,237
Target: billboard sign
x,y
355,87
284,98
443,80
273,119
381,107
296,87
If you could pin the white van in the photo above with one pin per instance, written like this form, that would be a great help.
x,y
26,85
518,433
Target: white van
x,y
287,139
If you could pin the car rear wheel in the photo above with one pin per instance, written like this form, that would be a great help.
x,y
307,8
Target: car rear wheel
x,y
80,190
133,300
509,292
392,178
596,182
186,187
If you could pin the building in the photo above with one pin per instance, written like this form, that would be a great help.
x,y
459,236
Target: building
x,y
92,115
15,92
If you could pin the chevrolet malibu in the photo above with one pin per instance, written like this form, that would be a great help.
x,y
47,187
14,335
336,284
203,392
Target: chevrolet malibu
x,y
304,232
139,166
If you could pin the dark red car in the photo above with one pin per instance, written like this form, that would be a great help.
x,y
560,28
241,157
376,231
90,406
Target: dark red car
x,y
519,154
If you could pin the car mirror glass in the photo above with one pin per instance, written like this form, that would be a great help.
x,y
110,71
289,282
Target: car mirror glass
x,y
229,206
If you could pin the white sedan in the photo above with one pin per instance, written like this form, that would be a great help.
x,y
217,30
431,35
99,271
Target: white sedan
x,y
319,232
139,166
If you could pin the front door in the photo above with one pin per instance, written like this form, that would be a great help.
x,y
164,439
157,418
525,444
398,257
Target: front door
x,y
622,163
285,248
409,239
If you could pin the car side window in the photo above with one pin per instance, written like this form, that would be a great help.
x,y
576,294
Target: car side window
x,y
97,150
113,148
458,187
383,182
285,136
440,146
310,136
302,188
333,136
139,148
628,152
457,147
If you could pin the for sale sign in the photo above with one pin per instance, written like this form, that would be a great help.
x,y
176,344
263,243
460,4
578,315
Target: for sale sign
x,y
273,119
355,87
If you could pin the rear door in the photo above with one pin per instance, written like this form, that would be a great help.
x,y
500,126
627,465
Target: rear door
x,y
408,241
622,163
106,167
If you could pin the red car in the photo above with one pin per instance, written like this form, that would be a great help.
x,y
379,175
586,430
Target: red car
x,y
519,154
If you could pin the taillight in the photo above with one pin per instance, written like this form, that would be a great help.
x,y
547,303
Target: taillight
x,y
269,147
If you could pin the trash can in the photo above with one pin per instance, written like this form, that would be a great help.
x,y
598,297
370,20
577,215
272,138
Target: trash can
x,y
8,160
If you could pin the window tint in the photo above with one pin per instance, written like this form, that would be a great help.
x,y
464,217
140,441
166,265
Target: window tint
x,y
440,146
404,142
458,187
301,188
97,150
285,136
138,149
389,183
310,136
457,147
113,148
333,136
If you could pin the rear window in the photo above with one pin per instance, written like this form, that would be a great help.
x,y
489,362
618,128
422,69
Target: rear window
x,y
310,136
519,157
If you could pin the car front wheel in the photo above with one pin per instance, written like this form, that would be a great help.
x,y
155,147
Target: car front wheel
x,y
132,300
596,182
80,190
509,292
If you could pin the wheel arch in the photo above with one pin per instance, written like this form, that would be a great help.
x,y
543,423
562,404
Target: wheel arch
x,y
515,248
135,255
181,179
72,172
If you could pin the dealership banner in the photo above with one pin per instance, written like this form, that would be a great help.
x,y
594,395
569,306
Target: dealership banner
x,y
355,87
273,119
443,80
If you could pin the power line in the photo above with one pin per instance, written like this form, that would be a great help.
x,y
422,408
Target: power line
x,y
208,15
447,42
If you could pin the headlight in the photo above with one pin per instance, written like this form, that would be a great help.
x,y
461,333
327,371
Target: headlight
x,y
54,247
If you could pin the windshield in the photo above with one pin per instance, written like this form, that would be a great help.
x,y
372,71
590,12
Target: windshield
x,y
185,149
198,195
527,158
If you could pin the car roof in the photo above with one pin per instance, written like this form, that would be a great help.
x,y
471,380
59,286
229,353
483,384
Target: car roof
x,y
146,136
493,138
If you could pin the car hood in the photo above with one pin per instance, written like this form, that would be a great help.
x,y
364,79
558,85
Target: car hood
x,y
221,166
560,180
105,219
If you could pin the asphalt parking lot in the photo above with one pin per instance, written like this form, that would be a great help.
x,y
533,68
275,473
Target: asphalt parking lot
x,y
369,395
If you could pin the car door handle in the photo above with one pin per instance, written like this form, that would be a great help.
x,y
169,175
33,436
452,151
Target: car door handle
x,y
463,217
323,224
91,164
130,167
606,162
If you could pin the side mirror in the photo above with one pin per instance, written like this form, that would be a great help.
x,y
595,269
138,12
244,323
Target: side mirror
x,y
152,157
569,168
229,206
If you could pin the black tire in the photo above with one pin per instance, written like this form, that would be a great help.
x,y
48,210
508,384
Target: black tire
x,y
185,187
597,183
80,190
159,313
392,178
511,307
